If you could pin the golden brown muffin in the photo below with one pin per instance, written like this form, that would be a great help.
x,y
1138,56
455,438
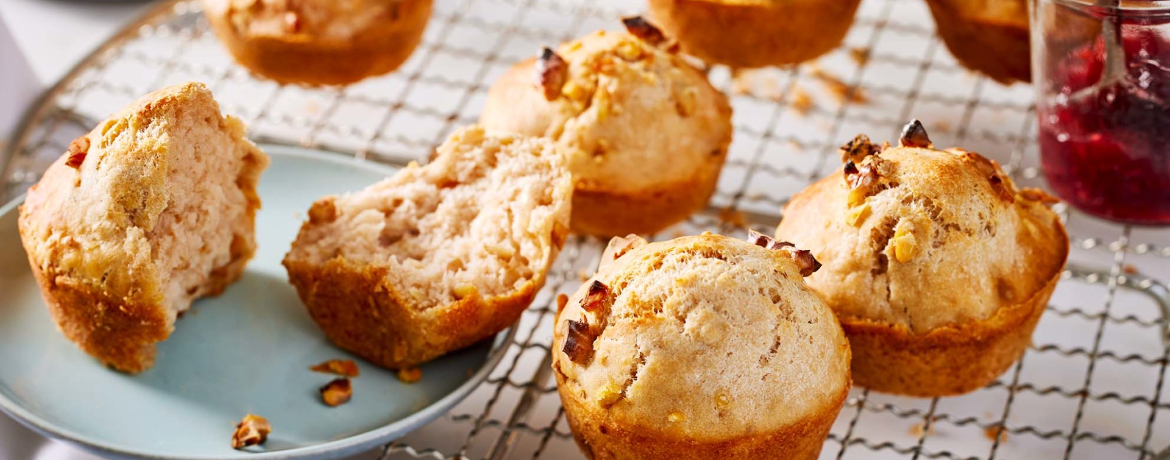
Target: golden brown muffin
x,y
702,347
645,133
319,42
755,33
151,210
436,257
936,265
988,36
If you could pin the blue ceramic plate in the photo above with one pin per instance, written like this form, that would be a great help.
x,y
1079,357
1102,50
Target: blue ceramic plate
x,y
246,351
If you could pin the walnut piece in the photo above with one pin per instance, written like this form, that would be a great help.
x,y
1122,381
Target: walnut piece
x,y
77,151
914,135
342,367
618,246
597,299
643,29
804,260
578,341
551,73
409,375
252,430
337,392
858,148
765,241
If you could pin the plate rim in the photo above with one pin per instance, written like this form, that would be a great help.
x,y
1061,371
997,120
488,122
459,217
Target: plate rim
x,y
330,449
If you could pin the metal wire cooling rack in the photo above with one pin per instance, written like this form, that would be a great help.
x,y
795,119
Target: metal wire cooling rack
x,y
1091,386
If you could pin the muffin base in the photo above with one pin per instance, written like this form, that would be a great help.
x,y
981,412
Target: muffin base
x,y
123,335
945,361
604,213
999,50
755,35
300,59
601,439
361,314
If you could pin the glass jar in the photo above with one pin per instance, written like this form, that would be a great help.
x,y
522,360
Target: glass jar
x,y
1101,72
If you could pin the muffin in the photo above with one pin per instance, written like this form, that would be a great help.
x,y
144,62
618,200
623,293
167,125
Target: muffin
x,y
319,42
988,36
755,33
937,266
437,257
644,132
151,210
702,347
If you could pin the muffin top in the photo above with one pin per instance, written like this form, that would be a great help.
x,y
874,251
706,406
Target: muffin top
x,y
924,238
703,337
618,104
322,19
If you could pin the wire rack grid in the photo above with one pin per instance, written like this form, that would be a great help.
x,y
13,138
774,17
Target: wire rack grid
x,y
1091,386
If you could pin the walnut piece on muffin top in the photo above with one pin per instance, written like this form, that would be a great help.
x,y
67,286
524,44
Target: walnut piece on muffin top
x,y
705,338
914,236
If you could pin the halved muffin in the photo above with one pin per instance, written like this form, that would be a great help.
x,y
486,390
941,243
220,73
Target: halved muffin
x,y
436,257
703,347
319,42
937,266
151,210
645,133
755,33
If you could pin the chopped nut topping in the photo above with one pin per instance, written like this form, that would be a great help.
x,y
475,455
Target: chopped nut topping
x,y
252,430
765,241
342,367
77,151
804,261
409,374
337,392
551,73
578,342
322,211
914,135
643,29
865,180
858,148
597,298
618,247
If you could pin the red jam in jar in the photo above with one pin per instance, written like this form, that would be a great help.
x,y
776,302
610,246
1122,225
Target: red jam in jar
x,y
1106,148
